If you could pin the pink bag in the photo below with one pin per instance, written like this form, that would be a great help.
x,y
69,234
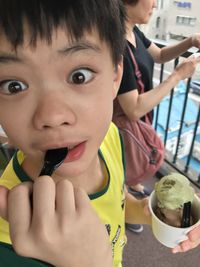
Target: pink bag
x,y
144,150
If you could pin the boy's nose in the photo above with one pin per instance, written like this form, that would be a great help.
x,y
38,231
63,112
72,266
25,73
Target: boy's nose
x,y
53,112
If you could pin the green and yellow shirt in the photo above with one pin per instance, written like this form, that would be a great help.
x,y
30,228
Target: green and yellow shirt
x,y
108,203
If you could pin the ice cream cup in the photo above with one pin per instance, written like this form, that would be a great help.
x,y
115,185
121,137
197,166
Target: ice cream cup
x,y
168,235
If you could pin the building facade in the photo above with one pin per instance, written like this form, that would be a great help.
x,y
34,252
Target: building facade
x,y
174,20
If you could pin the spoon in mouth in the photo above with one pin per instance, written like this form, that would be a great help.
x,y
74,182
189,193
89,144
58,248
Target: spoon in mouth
x,y
53,159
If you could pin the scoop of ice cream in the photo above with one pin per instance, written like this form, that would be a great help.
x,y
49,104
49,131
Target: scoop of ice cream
x,y
172,191
170,217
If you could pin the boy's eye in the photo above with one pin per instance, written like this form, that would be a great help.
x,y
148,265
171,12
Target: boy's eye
x,y
9,87
81,76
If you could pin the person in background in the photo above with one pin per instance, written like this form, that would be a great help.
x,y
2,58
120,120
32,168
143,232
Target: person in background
x,y
134,104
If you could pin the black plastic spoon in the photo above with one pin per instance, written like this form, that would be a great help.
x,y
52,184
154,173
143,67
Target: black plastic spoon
x,y
186,215
53,159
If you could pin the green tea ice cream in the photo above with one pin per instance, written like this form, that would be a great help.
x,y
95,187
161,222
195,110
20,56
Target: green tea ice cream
x,y
172,191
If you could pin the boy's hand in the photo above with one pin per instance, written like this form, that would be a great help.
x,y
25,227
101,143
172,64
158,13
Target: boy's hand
x,y
59,227
192,242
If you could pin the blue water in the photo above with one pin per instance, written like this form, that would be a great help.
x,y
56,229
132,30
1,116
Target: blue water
x,y
176,113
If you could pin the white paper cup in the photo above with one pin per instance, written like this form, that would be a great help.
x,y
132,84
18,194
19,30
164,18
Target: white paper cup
x,y
168,235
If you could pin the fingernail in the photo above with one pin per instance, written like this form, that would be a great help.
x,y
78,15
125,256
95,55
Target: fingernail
x,y
175,250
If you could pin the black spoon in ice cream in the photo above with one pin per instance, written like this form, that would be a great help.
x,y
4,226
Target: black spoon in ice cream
x,y
53,159
186,215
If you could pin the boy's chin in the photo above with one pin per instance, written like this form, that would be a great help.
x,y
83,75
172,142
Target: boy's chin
x,y
65,171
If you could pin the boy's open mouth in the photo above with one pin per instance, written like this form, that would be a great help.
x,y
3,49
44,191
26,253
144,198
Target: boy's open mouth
x,y
55,157
74,152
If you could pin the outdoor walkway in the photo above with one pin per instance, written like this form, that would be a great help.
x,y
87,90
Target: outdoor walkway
x,y
143,250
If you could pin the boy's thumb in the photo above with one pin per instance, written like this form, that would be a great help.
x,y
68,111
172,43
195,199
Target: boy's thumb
x,y
4,202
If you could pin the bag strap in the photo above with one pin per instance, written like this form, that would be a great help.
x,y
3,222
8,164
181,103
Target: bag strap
x,y
140,83
140,145
138,73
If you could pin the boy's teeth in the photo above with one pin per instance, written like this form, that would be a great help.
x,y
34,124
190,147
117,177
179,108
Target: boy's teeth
x,y
70,147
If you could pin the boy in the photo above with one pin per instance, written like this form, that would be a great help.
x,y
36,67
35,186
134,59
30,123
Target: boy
x,y
60,69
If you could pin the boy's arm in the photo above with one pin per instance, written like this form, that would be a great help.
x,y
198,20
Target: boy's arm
x,y
136,211
59,226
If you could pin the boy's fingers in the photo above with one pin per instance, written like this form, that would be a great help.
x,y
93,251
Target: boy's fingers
x,y
43,198
19,207
65,203
81,199
4,202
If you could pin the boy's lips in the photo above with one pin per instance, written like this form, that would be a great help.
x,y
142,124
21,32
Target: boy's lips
x,y
75,152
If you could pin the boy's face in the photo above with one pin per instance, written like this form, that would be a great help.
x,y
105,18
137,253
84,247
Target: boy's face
x,y
58,95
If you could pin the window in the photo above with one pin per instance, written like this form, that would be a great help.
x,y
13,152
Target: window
x,y
186,20
192,21
158,22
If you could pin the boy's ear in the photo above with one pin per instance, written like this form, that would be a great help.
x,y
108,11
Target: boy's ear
x,y
117,77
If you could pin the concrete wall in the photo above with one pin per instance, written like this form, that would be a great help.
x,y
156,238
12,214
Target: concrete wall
x,y
174,19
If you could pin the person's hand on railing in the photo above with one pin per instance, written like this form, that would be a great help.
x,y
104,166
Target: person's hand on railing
x,y
196,40
186,68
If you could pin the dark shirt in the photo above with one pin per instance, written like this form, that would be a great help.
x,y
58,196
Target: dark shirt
x,y
145,64
8,258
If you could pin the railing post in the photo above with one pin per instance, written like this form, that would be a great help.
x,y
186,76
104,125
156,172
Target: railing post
x,y
193,140
158,106
170,107
182,120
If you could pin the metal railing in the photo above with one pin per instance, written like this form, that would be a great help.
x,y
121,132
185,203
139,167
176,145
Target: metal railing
x,y
181,139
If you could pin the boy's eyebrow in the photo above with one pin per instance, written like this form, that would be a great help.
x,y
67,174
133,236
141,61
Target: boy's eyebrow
x,y
5,58
80,46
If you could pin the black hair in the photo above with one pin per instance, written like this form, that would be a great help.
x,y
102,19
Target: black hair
x,y
77,16
130,2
